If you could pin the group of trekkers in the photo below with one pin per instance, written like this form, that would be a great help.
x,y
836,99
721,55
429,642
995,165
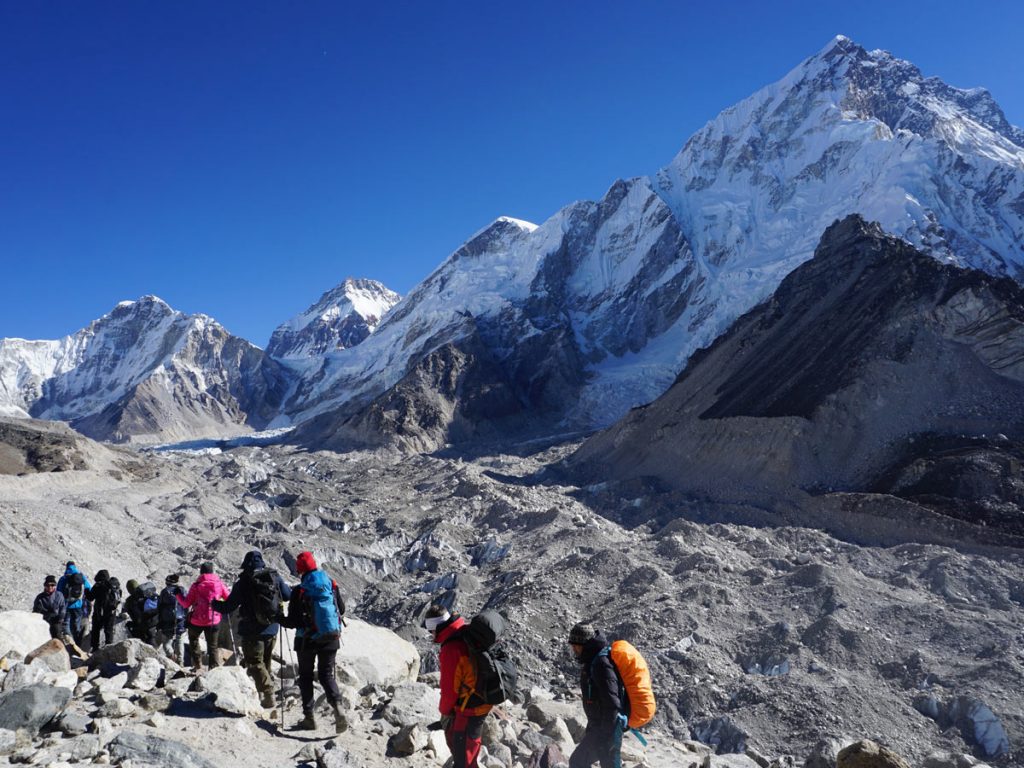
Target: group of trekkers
x,y
163,619
475,670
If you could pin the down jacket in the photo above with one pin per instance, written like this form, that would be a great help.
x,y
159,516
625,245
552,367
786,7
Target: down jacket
x,y
207,588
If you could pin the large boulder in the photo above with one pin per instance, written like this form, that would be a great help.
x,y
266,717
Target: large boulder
x,y
147,751
32,707
371,654
127,653
22,675
53,654
868,754
231,690
412,703
22,631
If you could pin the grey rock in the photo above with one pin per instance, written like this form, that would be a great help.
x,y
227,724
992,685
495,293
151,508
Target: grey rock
x,y
32,707
147,751
127,653
21,675
147,675
549,756
411,703
231,690
53,655
73,724
544,712
722,734
823,754
8,741
335,757
409,740
116,709
868,754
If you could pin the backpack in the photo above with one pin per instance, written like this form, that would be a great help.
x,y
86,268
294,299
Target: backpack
x,y
318,596
168,610
635,677
113,596
75,587
150,601
265,597
496,673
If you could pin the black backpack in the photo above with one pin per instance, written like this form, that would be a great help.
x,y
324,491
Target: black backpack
x,y
75,586
264,596
496,673
113,598
168,610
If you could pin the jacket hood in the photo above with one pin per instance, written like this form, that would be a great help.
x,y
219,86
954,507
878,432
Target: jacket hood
x,y
71,569
253,561
450,629
102,576
592,647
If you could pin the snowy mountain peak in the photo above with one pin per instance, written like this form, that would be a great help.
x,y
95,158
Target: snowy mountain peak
x,y
343,317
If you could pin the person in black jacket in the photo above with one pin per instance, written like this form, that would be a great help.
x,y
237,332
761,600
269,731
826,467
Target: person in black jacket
x,y
259,593
314,647
170,620
603,700
105,596
51,604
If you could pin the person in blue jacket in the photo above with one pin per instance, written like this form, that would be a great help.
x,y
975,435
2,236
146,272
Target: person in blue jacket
x,y
75,587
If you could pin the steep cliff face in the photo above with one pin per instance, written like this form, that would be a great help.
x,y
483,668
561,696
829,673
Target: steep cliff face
x,y
145,373
860,352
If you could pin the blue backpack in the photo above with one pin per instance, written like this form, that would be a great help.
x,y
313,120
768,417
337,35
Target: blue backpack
x,y
318,592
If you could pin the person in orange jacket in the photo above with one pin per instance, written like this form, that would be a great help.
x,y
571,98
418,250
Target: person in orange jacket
x,y
461,717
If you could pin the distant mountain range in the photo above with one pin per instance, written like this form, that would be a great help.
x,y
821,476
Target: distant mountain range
x,y
569,324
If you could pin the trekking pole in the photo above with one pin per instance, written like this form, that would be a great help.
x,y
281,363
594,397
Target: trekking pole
x,y
280,672
234,648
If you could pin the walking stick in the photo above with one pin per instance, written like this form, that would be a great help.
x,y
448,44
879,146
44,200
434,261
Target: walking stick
x,y
280,672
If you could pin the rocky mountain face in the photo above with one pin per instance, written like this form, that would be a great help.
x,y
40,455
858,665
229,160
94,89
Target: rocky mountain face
x,y
860,361
342,318
144,373
608,300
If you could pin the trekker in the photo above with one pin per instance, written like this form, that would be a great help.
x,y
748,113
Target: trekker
x,y
314,611
170,620
142,608
259,592
74,586
106,598
203,619
602,701
51,604
463,725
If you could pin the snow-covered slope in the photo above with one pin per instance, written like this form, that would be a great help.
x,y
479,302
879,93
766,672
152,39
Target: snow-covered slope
x,y
342,318
609,299
143,372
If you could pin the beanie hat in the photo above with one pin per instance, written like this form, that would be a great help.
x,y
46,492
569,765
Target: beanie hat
x,y
50,580
305,563
102,575
132,585
582,633
172,579
206,567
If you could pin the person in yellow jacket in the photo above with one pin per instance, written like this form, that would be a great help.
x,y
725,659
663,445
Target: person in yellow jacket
x,y
462,715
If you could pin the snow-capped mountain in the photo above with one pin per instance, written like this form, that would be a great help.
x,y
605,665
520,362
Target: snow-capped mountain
x,y
143,373
598,308
342,318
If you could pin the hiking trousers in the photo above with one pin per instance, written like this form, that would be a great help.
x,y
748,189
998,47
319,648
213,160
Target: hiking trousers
x,y
257,652
74,623
324,660
172,643
602,748
463,737
210,634
102,624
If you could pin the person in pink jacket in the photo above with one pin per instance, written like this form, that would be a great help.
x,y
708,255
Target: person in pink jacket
x,y
202,619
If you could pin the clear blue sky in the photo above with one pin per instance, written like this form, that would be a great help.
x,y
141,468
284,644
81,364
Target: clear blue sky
x,y
239,159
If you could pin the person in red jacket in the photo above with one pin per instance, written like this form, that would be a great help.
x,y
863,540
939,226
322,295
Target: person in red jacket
x,y
461,717
202,619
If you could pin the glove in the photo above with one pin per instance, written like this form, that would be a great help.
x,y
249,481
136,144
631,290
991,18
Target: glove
x,y
441,725
622,721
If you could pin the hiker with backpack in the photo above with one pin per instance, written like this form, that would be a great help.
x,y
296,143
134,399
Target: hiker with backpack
x,y
258,593
203,620
142,608
617,696
106,598
170,620
74,586
462,716
314,612
50,603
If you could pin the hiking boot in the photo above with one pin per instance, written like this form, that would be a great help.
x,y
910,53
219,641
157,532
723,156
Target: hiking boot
x,y
340,721
307,723
267,700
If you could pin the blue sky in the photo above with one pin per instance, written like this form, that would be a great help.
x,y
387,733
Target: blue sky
x,y
239,159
